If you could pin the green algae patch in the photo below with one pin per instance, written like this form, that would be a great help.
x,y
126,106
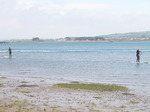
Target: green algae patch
x,y
24,85
94,87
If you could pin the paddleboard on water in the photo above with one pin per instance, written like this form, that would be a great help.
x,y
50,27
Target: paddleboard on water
x,y
9,57
142,63
145,62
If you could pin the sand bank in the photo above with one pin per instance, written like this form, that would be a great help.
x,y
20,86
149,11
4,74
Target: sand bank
x,y
36,94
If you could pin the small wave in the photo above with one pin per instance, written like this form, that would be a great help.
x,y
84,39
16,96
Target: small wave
x,y
73,51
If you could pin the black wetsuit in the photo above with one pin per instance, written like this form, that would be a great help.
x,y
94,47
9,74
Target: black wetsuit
x,y
138,55
10,53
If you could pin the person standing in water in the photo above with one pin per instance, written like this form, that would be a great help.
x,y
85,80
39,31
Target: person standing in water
x,y
10,52
138,53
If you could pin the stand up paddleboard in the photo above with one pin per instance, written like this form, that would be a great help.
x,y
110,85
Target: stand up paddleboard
x,y
9,57
142,63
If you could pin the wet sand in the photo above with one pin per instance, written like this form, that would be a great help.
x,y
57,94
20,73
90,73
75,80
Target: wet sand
x,y
37,94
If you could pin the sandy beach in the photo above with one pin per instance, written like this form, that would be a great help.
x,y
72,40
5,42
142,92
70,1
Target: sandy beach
x,y
37,94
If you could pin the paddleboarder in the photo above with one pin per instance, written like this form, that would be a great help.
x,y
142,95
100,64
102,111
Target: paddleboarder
x,y
10,52
138,53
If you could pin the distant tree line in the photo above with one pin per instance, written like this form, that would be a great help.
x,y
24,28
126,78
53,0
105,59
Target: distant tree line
x,y
3,42
85,38
36,39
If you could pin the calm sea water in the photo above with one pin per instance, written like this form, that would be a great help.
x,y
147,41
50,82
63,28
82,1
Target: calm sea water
x,y
112,63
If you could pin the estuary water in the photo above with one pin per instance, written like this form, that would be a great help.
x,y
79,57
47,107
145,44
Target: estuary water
x,y
111,63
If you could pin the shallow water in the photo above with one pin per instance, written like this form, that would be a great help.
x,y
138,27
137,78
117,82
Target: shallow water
x,y
112,63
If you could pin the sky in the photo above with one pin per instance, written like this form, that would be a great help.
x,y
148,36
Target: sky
x,y
50,19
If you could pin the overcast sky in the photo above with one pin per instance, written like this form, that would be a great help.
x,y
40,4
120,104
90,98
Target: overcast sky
x,y
25,19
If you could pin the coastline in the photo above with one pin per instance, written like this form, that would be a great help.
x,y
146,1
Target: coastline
x,y
69,41
42,96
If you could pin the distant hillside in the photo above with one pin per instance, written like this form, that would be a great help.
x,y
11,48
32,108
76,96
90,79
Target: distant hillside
x,y
131,36
128,36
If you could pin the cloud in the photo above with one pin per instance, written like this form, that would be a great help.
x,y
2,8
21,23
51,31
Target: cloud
x,y
8,14
52,18
68,8
60,8
25,4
